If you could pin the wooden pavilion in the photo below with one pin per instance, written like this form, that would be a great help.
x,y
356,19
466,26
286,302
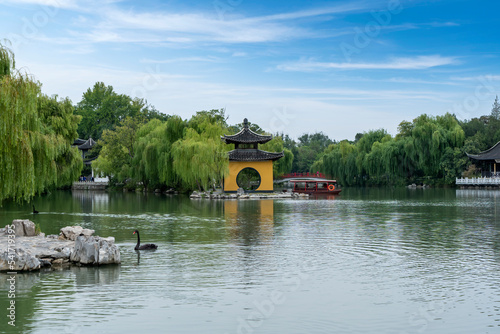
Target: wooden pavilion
x,y
489,159
247,156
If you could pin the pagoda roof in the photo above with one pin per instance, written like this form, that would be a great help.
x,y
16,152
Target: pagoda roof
x,y
79,141
246,136
492,153
253,155
84,144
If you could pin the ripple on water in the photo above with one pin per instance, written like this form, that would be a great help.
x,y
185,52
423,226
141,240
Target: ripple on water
x,y
341,266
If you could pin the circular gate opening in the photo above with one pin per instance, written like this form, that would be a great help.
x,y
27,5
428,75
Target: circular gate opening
x,y
248,179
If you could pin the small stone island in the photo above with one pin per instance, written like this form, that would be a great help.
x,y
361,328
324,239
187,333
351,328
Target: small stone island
x,y
23,249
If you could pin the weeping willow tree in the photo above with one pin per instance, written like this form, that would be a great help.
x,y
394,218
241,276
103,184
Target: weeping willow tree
x,y
283,165
153,161
200,158
36,134
54,144
428,148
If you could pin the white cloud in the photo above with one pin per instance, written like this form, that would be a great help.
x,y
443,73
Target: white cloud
x,y
404,63
51,3
119,25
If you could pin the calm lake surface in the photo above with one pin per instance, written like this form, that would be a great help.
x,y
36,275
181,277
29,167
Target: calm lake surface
x,y
367,261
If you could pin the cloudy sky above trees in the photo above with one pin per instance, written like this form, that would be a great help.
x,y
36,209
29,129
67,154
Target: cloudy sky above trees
x,y
339,67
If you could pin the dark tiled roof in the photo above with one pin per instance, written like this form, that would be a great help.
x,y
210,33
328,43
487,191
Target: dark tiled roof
x,y
490,154
87,145
246,136
253,155
79,141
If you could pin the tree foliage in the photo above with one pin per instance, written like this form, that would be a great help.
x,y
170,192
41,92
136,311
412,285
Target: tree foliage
x,y
153,162
102,109
200,158
428,148
36,132
117,153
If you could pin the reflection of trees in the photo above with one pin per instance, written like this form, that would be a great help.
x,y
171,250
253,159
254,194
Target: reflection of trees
x,y
25,291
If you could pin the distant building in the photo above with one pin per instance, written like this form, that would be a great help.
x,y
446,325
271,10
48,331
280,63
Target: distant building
x,y
489,160
84,146
246,156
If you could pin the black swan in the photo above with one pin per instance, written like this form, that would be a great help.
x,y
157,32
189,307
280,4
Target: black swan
x,y
34,211
145,246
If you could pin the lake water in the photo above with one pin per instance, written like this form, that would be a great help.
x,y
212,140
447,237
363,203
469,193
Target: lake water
x,y
367,261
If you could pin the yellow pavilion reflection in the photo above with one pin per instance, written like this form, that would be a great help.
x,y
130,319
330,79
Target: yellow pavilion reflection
x,y
249,219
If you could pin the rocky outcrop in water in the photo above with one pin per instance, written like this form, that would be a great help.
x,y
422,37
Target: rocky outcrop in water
x,y
95,250
22,250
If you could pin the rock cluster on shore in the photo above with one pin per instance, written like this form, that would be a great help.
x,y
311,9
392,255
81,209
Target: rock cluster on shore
x,y
242,195
74,245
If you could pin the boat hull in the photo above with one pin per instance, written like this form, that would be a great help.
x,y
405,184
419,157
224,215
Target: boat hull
x,y
318,192
316,187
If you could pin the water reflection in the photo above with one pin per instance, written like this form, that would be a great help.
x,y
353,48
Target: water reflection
x,y
250,221
90,276
378,261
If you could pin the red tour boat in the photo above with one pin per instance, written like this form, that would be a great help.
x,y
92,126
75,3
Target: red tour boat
x,y
316,186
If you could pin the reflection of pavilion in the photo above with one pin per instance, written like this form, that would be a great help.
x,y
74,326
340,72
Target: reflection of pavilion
x,y
252,218
247,157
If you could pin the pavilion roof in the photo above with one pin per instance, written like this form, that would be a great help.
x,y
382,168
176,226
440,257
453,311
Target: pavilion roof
x,y
246,136
87,145
492,153
253,155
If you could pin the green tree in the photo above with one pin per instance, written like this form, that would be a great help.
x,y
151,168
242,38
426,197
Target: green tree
x,y
283,165
200,158
102,109
495,110
308,150
429,147
36,131
153,162
59,125
117,153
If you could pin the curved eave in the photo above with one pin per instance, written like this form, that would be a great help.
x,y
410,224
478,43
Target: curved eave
x,y
246,136
492,153
253,155
87,145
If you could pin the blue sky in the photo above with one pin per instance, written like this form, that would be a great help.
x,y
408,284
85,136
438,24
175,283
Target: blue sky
x,y
340,67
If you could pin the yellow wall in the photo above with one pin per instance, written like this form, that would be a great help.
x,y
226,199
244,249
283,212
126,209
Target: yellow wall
x,y
264,168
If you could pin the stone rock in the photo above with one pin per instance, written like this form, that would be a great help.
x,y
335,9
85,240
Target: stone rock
x,y
240,191
95,250
24,227
195,194
72,232
108,251
20,260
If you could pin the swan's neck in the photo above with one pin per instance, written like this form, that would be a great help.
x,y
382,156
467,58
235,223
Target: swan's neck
x,y
138,240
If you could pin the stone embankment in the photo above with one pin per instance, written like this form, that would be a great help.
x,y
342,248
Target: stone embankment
x,y
22,249
99,186
240,195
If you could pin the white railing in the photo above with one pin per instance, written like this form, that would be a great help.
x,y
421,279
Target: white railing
x,y
478,181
